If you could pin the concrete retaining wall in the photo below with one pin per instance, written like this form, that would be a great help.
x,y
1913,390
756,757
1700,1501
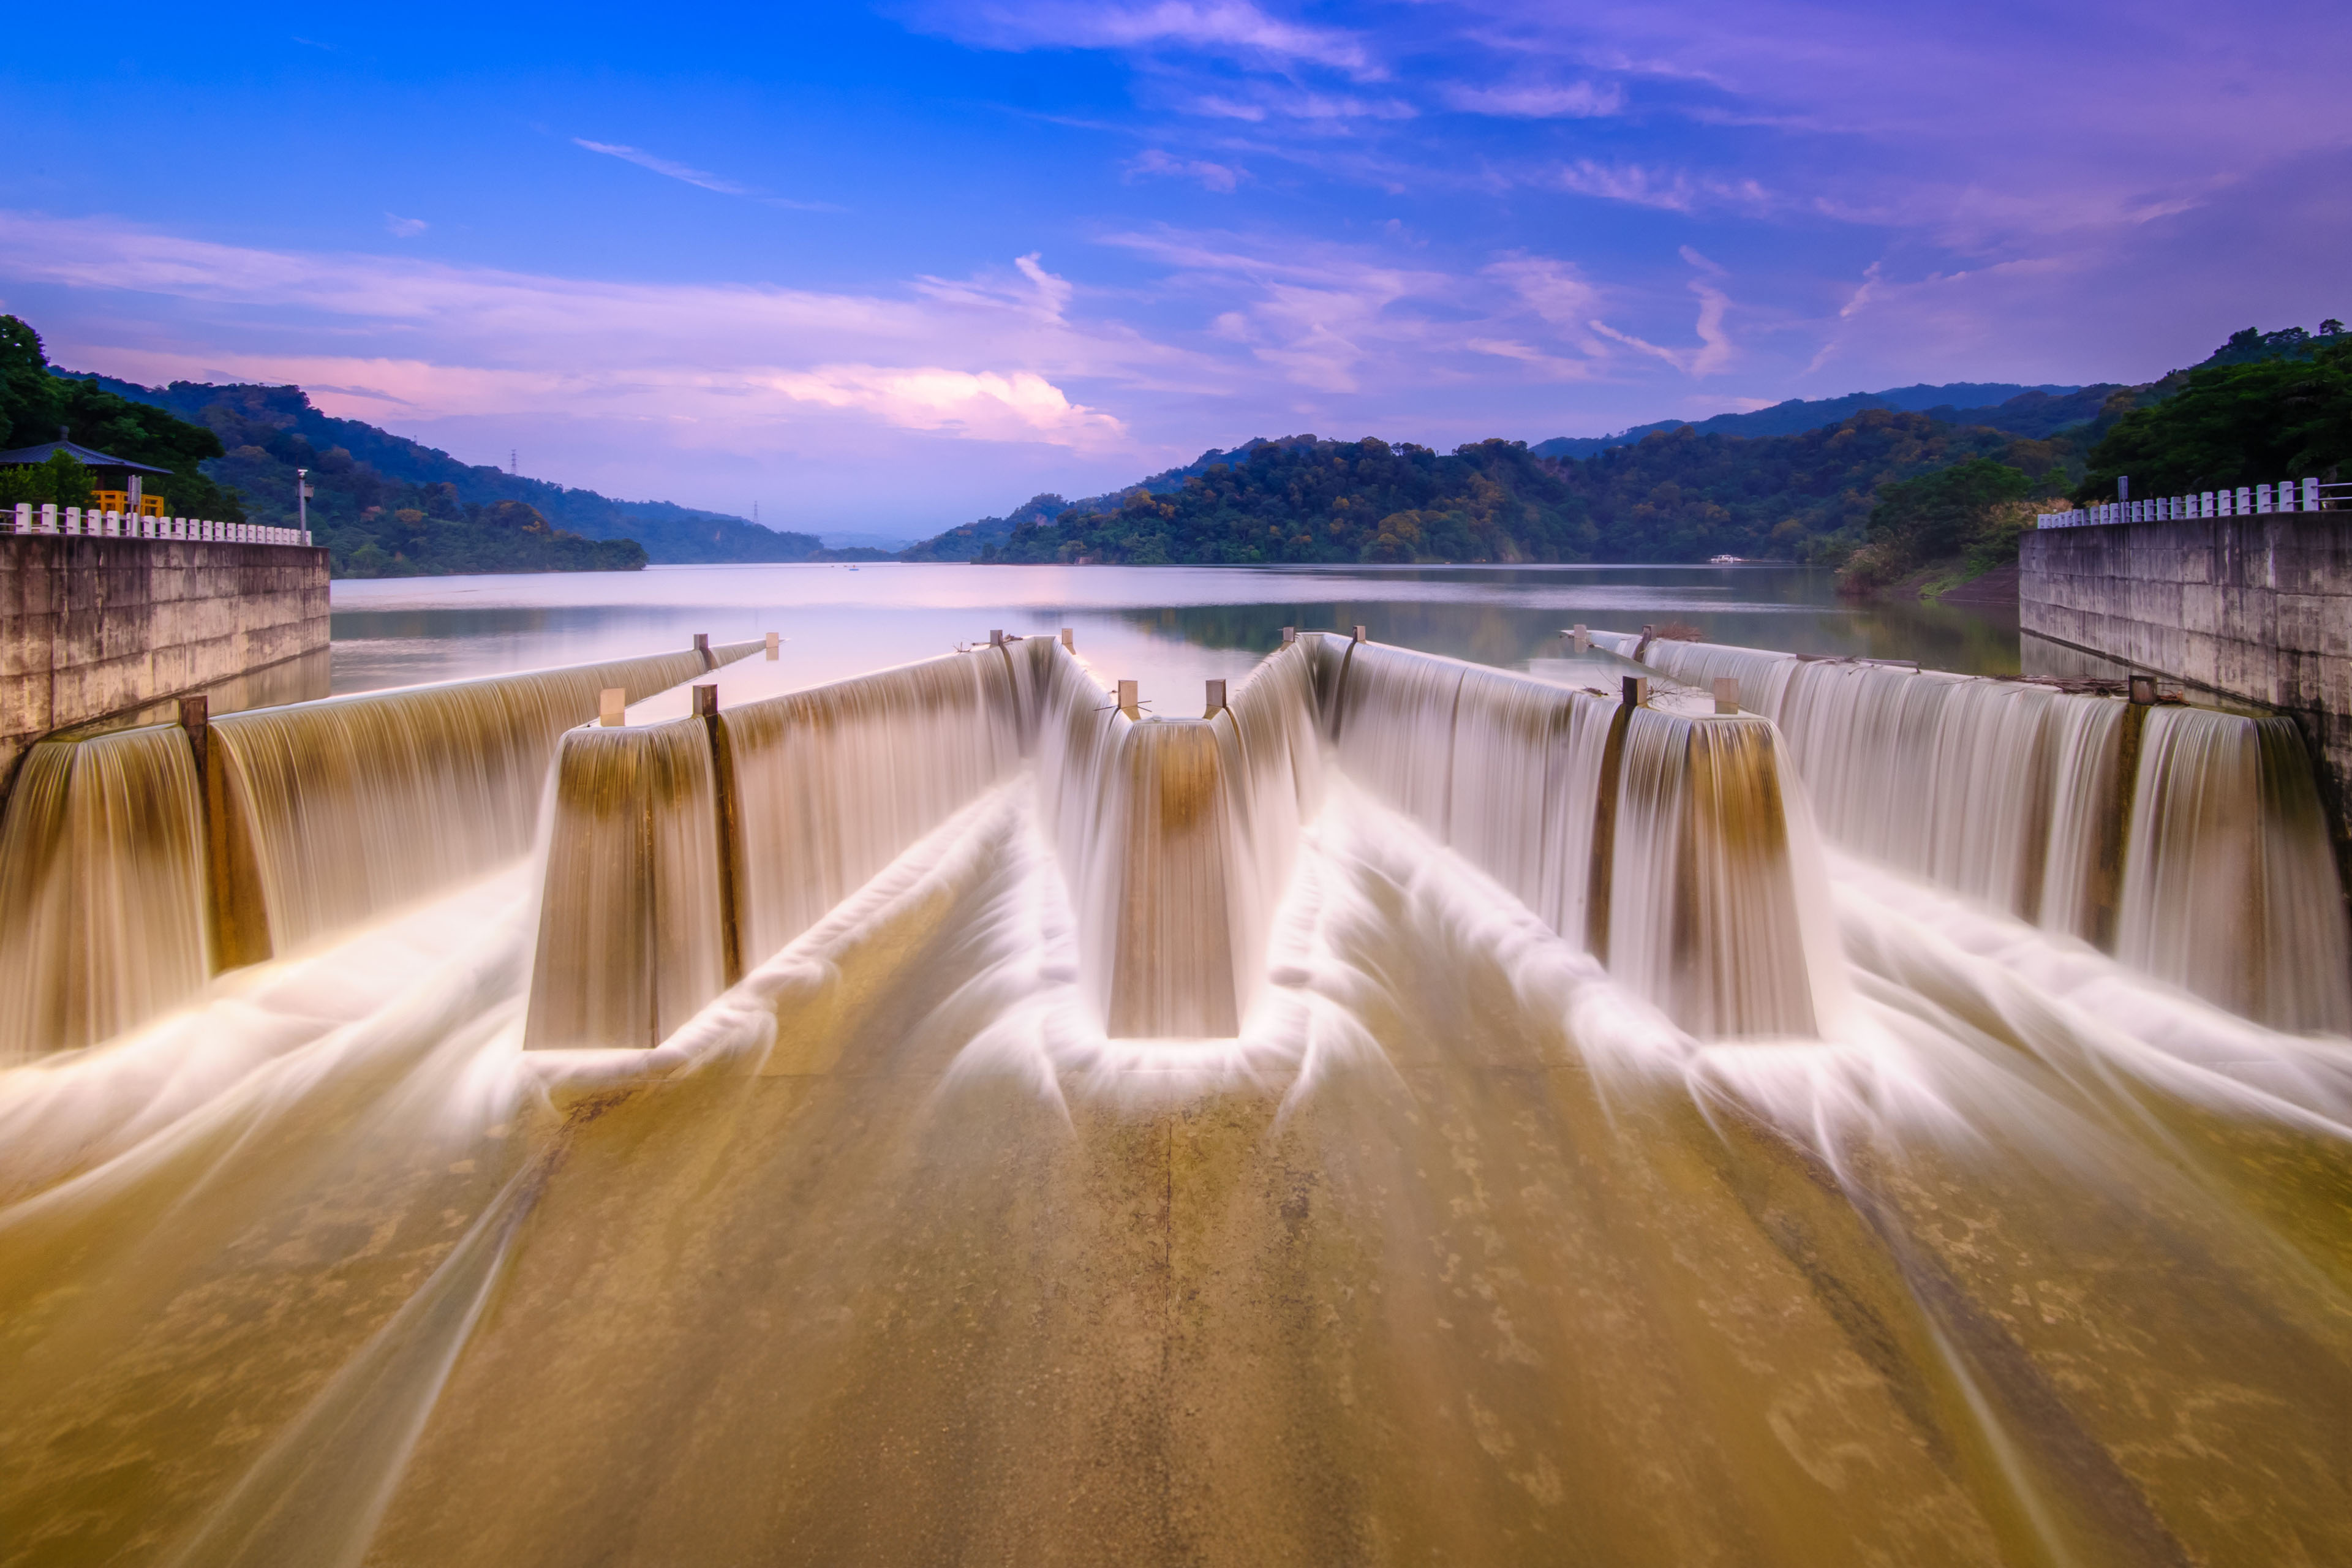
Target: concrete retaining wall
x,y
97,629
2254,607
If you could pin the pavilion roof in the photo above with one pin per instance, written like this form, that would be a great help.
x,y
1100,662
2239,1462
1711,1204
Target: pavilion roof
x,y
25,456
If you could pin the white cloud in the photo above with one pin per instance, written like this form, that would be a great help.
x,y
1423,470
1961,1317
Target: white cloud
x,y
1019,406
1573,100
404,227
1669,190
1260,104
1715,348
661,165
1553,367
1228,27
1212,176
1553,289
985,358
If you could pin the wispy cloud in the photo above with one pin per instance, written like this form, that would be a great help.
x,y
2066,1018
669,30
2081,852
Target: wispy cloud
x,y
691,175
1210,176
1715,348
661,165
1555,290
1551,366
1255,102
1670,190
1233,29
985,404
1572,100
404,227
984,359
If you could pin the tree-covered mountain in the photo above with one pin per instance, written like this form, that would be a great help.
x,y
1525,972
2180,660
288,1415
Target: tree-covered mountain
x,y
2240,420
1957,403
363,476
1302,498
35,406
1677,495
1738,484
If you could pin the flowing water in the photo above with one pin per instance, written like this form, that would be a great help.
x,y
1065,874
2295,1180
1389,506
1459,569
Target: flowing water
x,y
1415,1112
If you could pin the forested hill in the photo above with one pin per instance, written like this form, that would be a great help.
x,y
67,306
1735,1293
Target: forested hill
x,y
2020,410
366,478
1676,496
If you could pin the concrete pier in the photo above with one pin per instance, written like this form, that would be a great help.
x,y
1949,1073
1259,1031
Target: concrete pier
x,y
2256,607
95,628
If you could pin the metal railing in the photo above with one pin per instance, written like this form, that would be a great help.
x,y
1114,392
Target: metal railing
x,y
93,524
2245,501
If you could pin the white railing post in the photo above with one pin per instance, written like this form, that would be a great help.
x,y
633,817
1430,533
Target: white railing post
x,y
21,517
2311,495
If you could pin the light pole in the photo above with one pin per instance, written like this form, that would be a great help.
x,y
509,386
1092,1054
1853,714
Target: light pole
x,y
302,501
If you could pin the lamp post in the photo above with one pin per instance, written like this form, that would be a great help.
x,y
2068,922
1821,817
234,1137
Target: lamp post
x,y
302,501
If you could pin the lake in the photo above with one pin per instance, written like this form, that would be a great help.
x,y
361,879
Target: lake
x,y
1169,627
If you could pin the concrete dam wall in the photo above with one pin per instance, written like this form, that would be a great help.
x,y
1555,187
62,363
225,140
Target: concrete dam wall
x,y
2254,607
94,629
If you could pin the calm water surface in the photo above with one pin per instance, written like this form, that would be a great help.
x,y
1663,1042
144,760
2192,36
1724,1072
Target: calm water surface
x,y
1168,627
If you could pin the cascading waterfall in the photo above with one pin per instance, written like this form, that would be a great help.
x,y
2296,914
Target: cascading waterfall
x,y
359,805
1462,1251
686,852
1175,840
1167,881
1271,761
2015,793
102,914
1506,771
2231,887
631,943
1702,915
320,815
2083,871
832,784
1705,918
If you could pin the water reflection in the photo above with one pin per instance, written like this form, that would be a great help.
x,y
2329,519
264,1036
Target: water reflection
x,y
1169,627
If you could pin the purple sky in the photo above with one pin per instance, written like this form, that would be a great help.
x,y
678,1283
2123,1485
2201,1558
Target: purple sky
x,y
888,269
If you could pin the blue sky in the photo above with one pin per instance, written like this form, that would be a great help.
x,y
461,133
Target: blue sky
x,y
893,267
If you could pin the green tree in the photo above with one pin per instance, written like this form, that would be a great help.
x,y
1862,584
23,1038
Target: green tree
x,y
1968,511
2233,424
61,481
27,414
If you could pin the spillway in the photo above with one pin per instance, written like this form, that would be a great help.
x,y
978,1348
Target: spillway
x,y
1409,1112
2191,842
141,863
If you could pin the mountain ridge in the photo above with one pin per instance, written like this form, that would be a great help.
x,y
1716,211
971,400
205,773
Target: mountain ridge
x,y
270,430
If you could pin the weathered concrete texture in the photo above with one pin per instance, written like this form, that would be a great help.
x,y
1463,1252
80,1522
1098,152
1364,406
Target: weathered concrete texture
x,y
2256,607
95,627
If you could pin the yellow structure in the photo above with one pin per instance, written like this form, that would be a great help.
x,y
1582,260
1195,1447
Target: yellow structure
x,y
119,500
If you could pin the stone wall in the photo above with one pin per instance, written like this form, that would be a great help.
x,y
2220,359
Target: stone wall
x,y
2254,607
95,629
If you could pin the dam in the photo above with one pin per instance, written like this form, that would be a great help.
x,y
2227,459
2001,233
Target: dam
x,y
1671,1102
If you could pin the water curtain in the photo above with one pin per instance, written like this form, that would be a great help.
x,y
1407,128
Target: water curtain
x,y
101,889
2231,890
1175,837
631,935
275,827
684,853
2190,843
1673,858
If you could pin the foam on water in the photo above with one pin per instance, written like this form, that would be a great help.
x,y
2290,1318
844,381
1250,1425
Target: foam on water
x,y
1460,1240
